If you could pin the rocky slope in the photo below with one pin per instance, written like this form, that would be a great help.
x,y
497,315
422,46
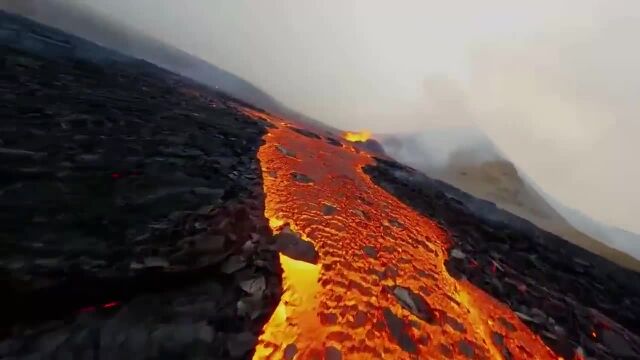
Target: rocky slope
x,y
131,210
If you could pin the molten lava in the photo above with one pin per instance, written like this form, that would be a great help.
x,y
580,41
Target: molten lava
x,y
361,136
369,245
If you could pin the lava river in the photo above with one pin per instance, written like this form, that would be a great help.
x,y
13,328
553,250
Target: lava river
x,y
375,255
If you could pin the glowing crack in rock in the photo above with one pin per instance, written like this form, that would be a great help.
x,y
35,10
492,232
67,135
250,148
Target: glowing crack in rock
x,y
373,252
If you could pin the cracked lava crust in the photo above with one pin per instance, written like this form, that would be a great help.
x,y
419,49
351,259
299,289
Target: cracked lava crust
x,y
379,288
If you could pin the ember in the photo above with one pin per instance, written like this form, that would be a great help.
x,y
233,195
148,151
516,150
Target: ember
x,y
349,303
110,305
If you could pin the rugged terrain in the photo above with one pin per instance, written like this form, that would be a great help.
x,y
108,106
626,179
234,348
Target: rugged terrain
x,y
146,216
122,181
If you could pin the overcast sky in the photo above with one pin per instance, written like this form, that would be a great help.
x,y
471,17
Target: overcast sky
x,y
555,84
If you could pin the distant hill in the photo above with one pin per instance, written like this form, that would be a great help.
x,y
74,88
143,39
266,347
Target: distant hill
x,y
481,171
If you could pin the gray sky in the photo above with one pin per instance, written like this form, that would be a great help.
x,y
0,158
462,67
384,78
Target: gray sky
x,y
555,84
355,63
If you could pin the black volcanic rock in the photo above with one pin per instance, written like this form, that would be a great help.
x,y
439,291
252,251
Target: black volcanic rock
x,y
397,328
307,133
372,146
131,206
295,247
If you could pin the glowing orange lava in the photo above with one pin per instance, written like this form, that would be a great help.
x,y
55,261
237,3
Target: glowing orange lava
x,y
360,136
341,306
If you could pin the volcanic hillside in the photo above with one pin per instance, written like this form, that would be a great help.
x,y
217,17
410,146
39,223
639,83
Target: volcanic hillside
x,y
146,216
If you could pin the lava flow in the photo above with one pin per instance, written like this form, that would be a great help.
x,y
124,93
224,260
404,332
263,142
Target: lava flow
x,y
380,289
360,136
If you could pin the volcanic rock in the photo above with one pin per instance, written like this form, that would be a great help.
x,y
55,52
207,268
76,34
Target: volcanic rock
x,y
415,303
233,264
455,324
458,254
307,133
619,346
286,152
397,330
301,178
290,351
359,319
370,251
328,210
332,353
292,245
239,345
255,287
334,142
155,262
466,348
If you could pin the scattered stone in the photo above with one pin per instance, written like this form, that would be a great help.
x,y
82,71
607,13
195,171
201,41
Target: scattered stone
x,y
148,263
497,338
334,142
618,345
301,178
332,353
207,243
360,319
204,191
239,345
233,264
293,246
328,210
328,318
290,351
458,254
466,348
506,324
455,324
248,247
396,327
415,303
155,262
582,262
361,214
304,132
390,271
528,318
395,223
255,287
19,153
251,307
285,151
370,251
446,350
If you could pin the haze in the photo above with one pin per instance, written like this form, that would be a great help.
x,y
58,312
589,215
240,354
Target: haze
x,y
555,85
